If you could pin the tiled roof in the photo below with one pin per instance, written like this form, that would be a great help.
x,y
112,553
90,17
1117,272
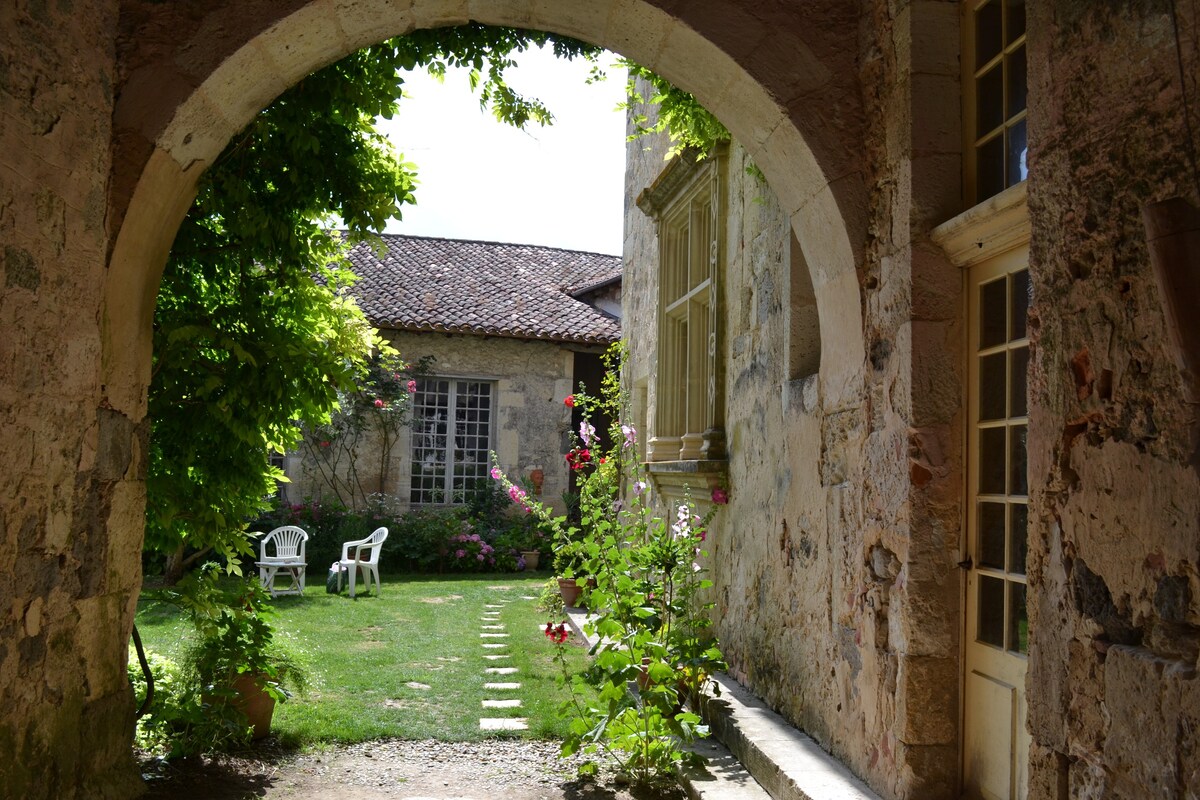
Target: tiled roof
x,y
453,285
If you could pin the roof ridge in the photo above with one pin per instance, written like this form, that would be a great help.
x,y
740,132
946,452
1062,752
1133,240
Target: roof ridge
x,y
489,242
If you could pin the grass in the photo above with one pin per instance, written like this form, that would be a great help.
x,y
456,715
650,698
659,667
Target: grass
x,y
368,658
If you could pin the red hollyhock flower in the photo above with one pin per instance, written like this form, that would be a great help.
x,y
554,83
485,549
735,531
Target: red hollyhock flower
x,y
569,402
720,496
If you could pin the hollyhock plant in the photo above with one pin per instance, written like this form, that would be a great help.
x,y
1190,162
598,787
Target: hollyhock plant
x,y
569,401
646,593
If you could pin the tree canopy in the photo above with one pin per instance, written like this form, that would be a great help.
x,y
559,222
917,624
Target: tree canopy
x,y
254,332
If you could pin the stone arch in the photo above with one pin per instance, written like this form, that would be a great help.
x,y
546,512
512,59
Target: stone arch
x,y
184,98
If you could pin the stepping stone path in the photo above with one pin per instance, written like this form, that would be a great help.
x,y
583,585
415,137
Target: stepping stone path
x,y
489,630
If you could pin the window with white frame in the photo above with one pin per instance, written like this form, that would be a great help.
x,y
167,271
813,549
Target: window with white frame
x,y
995,90
687,203
452,424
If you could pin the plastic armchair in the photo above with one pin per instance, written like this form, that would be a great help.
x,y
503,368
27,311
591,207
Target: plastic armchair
x,y
364,557
281,555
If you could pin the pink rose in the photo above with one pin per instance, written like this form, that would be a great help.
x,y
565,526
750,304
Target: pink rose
x,y
412,387
378,403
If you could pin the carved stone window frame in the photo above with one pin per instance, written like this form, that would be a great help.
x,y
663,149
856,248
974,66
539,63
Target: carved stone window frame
x,y
688,203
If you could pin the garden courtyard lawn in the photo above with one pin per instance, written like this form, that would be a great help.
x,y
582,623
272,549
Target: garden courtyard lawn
x,y
410,663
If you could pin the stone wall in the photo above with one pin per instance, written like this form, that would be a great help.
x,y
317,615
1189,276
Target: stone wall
x,y
71,495
531,424
838,598
1114,620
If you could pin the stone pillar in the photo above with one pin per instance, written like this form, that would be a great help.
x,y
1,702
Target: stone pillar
x,y
71,485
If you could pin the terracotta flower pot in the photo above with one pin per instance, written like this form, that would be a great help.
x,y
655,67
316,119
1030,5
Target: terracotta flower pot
x,y
569,590
255,702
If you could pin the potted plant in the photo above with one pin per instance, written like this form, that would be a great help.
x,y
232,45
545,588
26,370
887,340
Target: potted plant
x,y
242,671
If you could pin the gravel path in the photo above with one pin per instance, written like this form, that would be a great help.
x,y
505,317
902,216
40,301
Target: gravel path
x,y
393,770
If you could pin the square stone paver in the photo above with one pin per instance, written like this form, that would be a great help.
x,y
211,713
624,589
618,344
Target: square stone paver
x,y
504,724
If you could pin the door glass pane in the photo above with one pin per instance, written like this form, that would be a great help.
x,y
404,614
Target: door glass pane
x,y
991,610
989,100
1020,303
991,461
1017,389
992,376
1016,169
1017,481
993,302
1017,91
989,34
989,168
1018,537
991,535
1018,620
1014,20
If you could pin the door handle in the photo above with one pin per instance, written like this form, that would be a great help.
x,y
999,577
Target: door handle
x,y
966,564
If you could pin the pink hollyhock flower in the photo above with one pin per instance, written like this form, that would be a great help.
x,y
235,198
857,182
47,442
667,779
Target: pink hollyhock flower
x,y
630,435
569,401
587,432
720,496
412,387
378,403
639,487
495,473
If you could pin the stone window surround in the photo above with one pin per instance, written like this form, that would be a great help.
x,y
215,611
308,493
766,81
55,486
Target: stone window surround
x,y
701,464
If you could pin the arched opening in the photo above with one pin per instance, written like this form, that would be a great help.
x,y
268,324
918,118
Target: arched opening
x,y
182,139
182,136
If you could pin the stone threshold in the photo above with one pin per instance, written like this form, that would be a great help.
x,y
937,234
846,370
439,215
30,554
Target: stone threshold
x,y
754,754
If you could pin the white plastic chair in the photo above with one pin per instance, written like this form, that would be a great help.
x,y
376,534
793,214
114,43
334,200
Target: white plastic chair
x,y
281,555
366,558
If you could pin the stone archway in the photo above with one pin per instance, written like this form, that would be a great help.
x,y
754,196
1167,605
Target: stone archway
x,y
189,76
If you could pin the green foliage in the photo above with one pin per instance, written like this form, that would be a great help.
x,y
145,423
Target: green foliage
x,y
689,124
246,342
366,422
650,617
194,709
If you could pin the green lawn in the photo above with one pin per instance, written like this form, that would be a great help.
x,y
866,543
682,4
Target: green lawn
x,y
362,655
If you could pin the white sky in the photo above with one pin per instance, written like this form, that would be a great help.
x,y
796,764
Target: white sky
x,y
561,186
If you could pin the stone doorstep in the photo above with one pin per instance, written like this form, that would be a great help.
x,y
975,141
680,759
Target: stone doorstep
x,y
752,748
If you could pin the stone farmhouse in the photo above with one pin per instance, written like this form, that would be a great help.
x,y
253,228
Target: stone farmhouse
x,y
952,387
512,329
